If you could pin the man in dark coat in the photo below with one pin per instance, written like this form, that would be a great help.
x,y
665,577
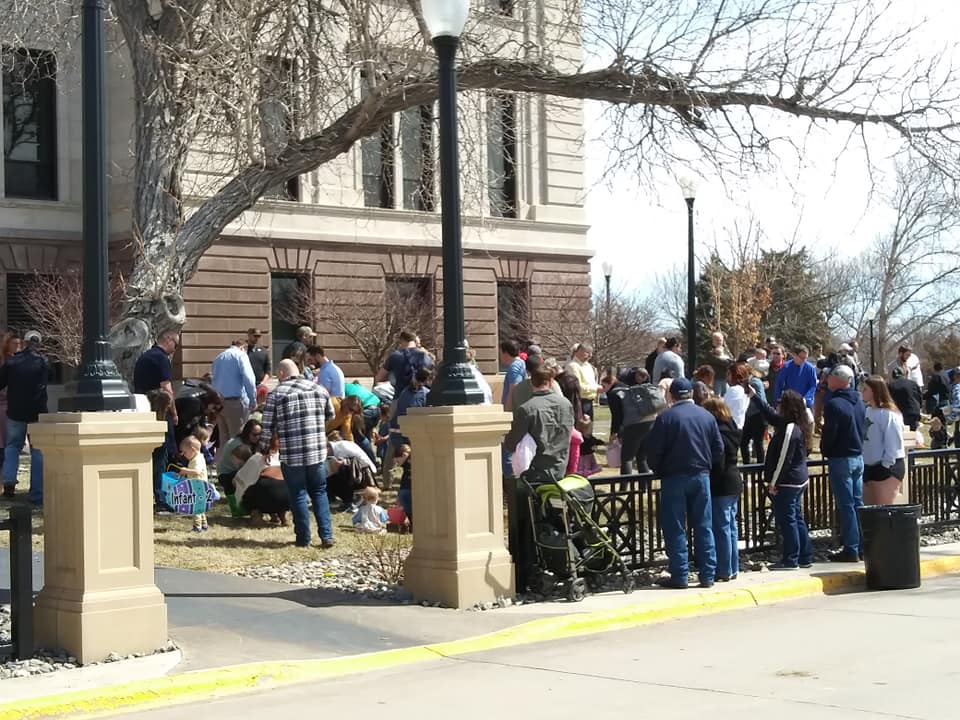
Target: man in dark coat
x,y
907,396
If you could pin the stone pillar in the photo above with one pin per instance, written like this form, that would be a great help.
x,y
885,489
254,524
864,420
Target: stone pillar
x,y
459,556
99,594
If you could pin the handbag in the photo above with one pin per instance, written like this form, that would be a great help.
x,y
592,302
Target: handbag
x,y
614,453
523,455
187,496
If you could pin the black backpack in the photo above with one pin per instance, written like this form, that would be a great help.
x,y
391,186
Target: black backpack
x,y
413,360
640,402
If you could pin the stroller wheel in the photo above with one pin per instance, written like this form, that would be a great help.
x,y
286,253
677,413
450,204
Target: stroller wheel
x,y
629,583
577,591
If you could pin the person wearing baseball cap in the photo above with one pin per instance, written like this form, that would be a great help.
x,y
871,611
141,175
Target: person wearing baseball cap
x,y
305,336
682,447
841,442
25,378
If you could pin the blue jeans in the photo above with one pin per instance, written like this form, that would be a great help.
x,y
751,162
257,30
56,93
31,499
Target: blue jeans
x,y
303,481
160,460
846,480
683,498
405,498
724,508
16,439
364,442
797,548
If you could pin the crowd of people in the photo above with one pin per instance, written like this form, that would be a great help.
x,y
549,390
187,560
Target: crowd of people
x,y
279,454
282,446
692,433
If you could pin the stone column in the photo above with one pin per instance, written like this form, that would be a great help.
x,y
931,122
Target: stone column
x,y
99,594
459,556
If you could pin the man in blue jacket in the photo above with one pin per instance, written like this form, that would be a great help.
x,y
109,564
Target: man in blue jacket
x,y
25,378
799,375
841,442
683,445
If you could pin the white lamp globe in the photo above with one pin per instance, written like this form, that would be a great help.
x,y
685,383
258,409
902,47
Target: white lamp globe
x,y
688,186
445,18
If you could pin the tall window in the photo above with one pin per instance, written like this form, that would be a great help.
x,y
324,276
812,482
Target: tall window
x,y
29,123
290,307
502,154
278,105
406,139
416,146
409,304
513,311
376,153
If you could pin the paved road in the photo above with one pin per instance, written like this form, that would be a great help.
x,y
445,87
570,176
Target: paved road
x,y
877,655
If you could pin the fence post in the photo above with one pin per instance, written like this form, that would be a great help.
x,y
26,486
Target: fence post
x,y
21,580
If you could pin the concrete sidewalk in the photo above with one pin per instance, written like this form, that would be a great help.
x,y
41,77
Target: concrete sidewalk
x,y
220,620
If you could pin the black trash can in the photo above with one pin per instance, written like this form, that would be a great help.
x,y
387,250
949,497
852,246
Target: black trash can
x,y
891,546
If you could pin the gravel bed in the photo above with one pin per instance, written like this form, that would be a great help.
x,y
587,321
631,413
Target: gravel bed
x,y
355,574
47,661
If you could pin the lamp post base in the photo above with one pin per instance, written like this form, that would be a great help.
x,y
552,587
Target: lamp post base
x,y
99,386
454,385
90,394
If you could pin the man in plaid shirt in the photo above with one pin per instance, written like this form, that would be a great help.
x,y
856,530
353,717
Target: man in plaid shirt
x,y
296,412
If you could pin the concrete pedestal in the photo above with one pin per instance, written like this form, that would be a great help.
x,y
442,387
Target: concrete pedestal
x,y
99,594
459,557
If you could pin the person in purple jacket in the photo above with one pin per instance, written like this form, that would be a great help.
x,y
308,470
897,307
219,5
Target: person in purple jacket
x,y
799,376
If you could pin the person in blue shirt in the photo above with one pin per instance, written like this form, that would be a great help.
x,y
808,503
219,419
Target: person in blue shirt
x,y
328,374
515,374
841,443
414,395
233,379
682,448
799,376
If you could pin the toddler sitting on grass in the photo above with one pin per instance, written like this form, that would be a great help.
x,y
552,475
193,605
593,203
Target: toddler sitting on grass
x,y
370,517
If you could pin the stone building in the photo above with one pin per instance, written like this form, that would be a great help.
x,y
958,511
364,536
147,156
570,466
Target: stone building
x,y
365,226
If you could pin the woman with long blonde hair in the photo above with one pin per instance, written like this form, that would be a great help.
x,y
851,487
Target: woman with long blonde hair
x,y
883,453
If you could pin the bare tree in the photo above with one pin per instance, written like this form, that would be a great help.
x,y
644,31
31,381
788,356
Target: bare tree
x,y
55,304
619,332
910,276
279,88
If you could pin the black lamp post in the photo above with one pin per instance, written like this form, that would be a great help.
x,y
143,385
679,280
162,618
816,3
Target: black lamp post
x,y
607,273
873,347
99,386
689,188
454,384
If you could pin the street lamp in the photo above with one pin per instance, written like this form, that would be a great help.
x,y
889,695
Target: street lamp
x,y
871,316
607,272
99,386
454,384
688,186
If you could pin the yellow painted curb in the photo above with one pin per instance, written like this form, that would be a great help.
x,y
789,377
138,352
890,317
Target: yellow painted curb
x,y
218,682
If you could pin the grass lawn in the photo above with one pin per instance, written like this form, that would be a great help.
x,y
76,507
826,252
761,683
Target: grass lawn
x,y
230,543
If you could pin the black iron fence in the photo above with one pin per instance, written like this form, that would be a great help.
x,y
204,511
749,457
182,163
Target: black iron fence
x,y
19,526
628,506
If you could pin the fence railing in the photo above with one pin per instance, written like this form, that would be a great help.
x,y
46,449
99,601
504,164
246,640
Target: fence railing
x,y
628,506
19,526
